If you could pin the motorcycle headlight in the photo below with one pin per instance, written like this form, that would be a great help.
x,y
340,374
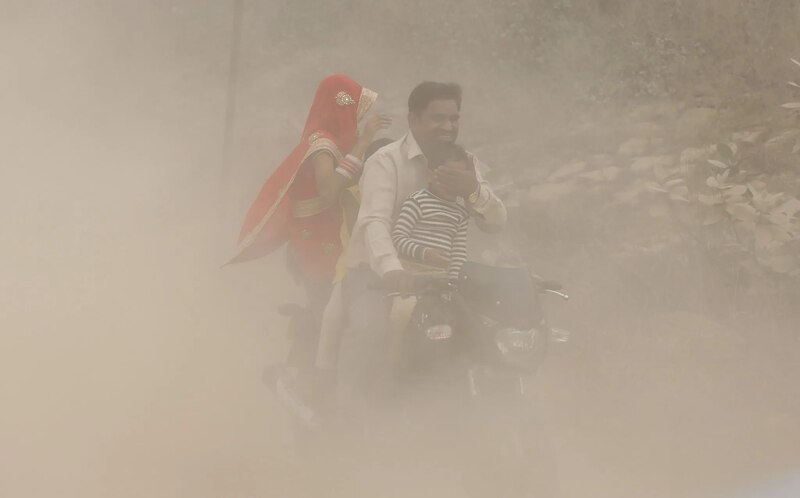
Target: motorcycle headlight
x,y
521,348
439,332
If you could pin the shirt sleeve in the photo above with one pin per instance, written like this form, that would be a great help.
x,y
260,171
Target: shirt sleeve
x,y
458,251
410,213
490,212
378,188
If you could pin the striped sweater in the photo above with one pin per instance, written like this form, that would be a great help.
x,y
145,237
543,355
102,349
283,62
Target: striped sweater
x,y
427,221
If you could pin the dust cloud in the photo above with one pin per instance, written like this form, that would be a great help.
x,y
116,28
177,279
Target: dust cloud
x,y
131,363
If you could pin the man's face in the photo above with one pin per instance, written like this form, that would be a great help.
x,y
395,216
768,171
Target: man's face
x,y
437,123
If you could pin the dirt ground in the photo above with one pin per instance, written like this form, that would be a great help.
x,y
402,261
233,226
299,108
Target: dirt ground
x,y
131,363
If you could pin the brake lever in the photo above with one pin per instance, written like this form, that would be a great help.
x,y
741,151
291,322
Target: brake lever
x,y
562,295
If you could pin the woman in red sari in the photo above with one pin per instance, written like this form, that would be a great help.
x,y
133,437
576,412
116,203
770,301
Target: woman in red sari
x,y
299,203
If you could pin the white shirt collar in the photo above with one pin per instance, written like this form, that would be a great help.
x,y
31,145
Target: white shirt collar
x,y
412,147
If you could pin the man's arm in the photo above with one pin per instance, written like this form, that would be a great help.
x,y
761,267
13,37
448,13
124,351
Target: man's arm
x,y
378,188
489,211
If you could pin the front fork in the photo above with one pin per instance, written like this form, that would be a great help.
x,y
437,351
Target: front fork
x,y
475,372
501,402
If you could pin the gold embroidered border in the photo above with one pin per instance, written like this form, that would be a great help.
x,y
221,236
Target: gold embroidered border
x,y
343,98
320,144
308,207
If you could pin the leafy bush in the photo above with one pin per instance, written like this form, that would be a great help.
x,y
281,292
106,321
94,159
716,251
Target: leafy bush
x,y
734,214
729,200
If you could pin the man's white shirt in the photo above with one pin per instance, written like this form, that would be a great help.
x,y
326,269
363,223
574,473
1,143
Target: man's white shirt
x,y
390,175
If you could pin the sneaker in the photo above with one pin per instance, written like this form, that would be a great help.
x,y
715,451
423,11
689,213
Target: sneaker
x,y
285,382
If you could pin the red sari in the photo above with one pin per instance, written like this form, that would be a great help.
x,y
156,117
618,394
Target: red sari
x,y
289,208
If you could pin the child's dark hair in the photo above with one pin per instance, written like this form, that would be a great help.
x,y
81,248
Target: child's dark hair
x,y
448,152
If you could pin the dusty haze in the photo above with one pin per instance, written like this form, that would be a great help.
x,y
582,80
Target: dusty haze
x,y
131,363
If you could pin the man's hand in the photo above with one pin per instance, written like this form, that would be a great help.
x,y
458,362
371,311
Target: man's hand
x,y
435,258
401,281
455,179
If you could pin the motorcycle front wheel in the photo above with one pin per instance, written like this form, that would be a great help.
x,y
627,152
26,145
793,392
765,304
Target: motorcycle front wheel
x,y
512,454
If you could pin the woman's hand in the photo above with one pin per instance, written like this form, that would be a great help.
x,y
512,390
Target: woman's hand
x,y
373,125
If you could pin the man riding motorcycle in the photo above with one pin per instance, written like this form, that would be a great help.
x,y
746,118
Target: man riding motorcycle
x,y
390,176
370,364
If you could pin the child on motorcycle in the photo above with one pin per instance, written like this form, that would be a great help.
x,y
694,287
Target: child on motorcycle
x,y
430,236
431,225
431,229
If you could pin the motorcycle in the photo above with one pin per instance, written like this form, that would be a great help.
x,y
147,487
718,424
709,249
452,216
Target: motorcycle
x,y
458,377
465,351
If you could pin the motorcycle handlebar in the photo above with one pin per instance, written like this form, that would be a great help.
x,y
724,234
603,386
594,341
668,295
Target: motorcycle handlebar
x,y
423,282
